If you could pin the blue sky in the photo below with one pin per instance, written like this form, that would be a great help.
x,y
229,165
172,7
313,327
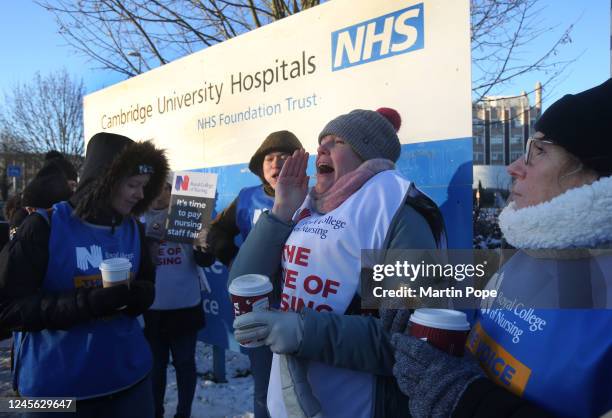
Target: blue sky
x,y
30,43
590,45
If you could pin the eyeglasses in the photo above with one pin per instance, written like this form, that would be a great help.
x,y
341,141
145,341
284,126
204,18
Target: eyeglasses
x,y
530,141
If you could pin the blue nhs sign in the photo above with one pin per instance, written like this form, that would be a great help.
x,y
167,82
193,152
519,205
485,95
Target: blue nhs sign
x,y
382,37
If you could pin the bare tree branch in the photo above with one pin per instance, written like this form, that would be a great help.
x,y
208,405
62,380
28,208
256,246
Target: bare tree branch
x,y
113,32
141,31
44,114
502,31
254,14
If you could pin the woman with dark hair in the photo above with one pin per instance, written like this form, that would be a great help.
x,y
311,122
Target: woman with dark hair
x,y
73,337
545,344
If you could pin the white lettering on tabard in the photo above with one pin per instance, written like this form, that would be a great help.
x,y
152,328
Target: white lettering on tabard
x,y
85,257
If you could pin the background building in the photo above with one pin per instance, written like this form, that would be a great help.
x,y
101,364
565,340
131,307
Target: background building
x,y
28,165
501,126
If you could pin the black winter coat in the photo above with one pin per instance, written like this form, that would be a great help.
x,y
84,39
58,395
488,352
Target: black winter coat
x,y
24,306
23,264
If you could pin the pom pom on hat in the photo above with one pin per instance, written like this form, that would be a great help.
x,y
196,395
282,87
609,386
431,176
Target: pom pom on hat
x,y
392,116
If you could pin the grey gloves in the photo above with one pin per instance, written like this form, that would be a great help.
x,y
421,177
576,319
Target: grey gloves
x,y
395,320
433,380
282,331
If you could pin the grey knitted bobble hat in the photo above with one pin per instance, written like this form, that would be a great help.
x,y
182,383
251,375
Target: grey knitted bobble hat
x,y
370,134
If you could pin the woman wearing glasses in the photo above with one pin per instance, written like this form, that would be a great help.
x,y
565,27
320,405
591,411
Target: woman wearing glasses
x,y
539,362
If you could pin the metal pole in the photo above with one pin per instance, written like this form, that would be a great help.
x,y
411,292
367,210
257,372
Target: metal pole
x,y
219,364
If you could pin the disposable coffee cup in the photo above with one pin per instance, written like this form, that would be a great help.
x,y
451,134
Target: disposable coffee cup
x,y
250,293
115,271
445,329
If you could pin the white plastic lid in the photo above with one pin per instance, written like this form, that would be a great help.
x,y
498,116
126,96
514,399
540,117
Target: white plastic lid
x,y
115,264
441,319
250,285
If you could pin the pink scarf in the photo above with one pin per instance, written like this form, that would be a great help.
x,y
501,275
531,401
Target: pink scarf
x,y
347,185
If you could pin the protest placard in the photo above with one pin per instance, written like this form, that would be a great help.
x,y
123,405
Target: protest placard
x,y
212,109
191,205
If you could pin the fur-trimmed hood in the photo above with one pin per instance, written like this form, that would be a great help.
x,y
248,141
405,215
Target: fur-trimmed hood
x,y
578,218
109,159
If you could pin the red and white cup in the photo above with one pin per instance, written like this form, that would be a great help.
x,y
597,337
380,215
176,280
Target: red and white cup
x,y
250,293
445,329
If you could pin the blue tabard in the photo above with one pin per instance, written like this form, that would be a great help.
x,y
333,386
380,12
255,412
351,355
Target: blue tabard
x,y
560,359
252,201
96,358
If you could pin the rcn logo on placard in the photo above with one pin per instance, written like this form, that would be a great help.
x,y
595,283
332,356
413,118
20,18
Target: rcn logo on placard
x,y
88,257
382,37
182,183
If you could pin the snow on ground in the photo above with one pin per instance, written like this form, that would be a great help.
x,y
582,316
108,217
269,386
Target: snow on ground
x,y
5,368
212,400
6,388
215,400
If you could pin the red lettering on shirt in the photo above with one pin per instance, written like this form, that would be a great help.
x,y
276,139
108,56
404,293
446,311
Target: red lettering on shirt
x,y
290,276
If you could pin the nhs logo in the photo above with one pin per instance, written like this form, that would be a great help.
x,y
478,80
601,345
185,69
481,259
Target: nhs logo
x,y
86,257
382,37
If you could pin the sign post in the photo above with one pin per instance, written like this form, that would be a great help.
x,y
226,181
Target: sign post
x,y
212,109
14,171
